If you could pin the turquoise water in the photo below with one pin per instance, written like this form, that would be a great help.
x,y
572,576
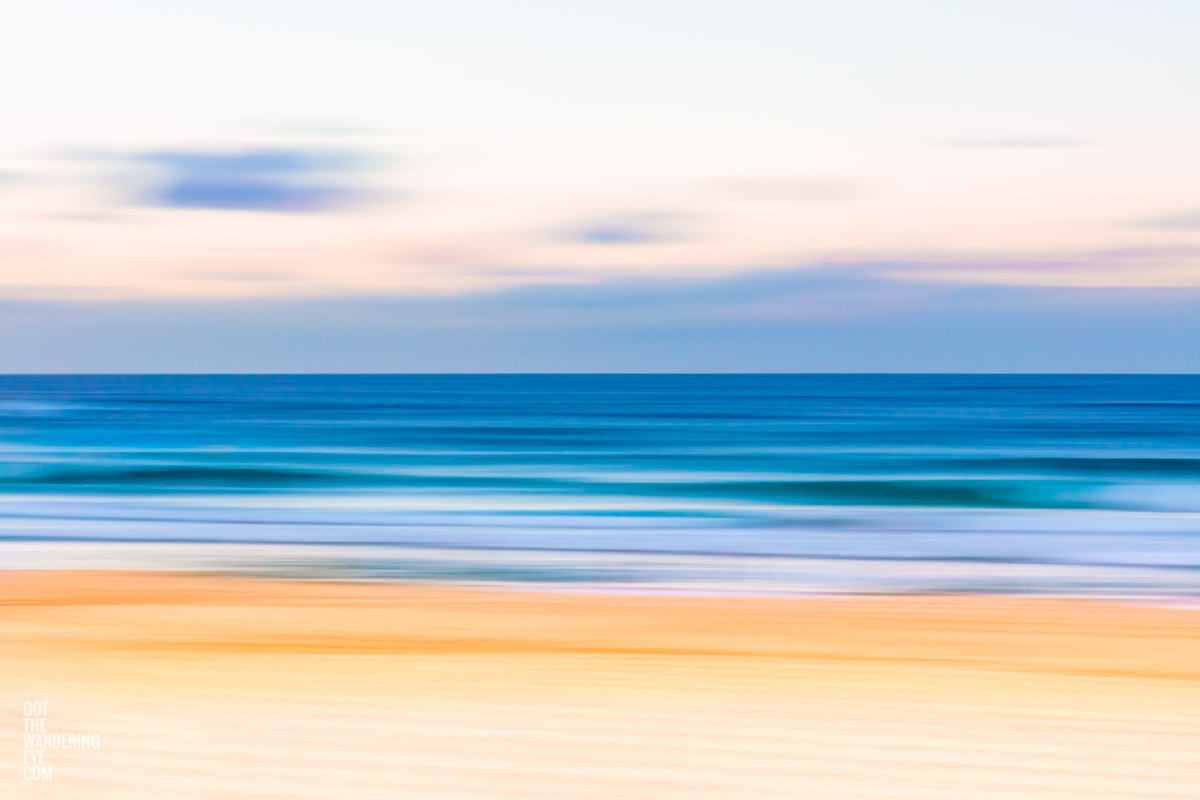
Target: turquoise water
x,y
790,482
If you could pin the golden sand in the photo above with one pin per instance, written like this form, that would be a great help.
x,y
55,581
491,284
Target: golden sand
x,y
204,686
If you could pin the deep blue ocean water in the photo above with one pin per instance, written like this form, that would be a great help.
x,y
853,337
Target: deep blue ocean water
x,y
1063,483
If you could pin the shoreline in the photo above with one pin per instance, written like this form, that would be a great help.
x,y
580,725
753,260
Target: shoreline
x,y
625,572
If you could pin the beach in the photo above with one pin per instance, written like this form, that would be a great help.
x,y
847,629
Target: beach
x,y
220,686
631,401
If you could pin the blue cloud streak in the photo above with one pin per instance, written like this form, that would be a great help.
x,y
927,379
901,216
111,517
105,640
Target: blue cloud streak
x,y
278,180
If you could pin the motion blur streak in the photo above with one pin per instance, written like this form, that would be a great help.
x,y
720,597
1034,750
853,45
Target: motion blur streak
x,y
639,586
761,483
211,687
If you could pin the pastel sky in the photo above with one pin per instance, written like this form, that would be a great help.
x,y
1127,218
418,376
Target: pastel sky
x,y
577,185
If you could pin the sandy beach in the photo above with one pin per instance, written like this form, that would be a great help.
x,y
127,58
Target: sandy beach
x,y
201,686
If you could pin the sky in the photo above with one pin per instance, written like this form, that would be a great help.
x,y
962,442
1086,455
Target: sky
x,y
585,186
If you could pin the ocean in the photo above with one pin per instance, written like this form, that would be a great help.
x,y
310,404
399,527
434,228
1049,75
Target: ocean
x,y
1058,484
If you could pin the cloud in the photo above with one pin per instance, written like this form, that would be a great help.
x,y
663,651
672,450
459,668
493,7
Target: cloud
x,y
1127,267
630,229
243,276
1019,142
1183,221
285,180
803,189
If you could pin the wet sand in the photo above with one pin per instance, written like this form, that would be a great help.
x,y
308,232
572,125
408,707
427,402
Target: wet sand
x,y
203,686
